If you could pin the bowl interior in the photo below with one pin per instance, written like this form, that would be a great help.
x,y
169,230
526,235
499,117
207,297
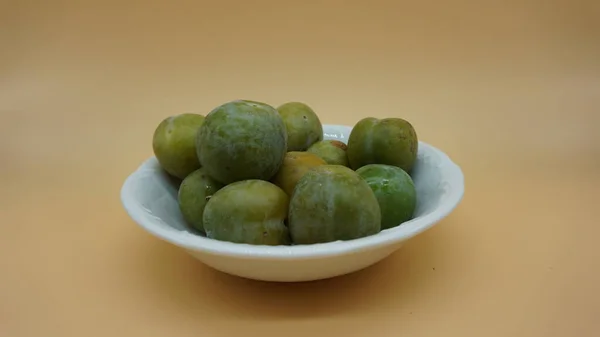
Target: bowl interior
x,y
150,197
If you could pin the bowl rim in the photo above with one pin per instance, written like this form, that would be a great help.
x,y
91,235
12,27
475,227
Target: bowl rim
x,y
450,171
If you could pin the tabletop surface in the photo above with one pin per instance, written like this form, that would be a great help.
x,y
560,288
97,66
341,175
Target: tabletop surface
x,y
510,91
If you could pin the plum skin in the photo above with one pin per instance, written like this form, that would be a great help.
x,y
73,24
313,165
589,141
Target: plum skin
x,y
242,140
250,211
331,203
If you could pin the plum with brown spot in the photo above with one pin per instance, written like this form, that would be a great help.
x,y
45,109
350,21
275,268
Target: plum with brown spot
x,y
332,151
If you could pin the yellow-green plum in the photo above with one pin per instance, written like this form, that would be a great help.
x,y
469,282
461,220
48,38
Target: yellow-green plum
x,y
194,192
295,165
302,124
173,143
249,211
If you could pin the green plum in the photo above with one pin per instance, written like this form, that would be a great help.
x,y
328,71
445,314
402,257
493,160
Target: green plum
x,y
331,203
391,141
302,124
194,192
395,192
332,151
174,146
250,211
242,140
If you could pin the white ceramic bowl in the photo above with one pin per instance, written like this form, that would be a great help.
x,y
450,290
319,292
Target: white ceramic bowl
x,y
150,198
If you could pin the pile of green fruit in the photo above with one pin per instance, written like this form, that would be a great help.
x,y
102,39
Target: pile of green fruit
x,y
254,174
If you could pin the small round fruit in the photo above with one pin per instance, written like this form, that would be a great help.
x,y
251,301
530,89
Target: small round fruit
x,y
332,151
249,211
395,192
302,124
194,192
174,146
242,140
295,165
331,203
391,141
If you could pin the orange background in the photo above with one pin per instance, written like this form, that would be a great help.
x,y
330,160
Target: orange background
x,y
509,89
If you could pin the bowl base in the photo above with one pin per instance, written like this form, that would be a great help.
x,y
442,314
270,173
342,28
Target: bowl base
x,y
288,270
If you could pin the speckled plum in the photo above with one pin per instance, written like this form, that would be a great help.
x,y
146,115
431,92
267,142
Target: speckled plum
x,y
242,140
